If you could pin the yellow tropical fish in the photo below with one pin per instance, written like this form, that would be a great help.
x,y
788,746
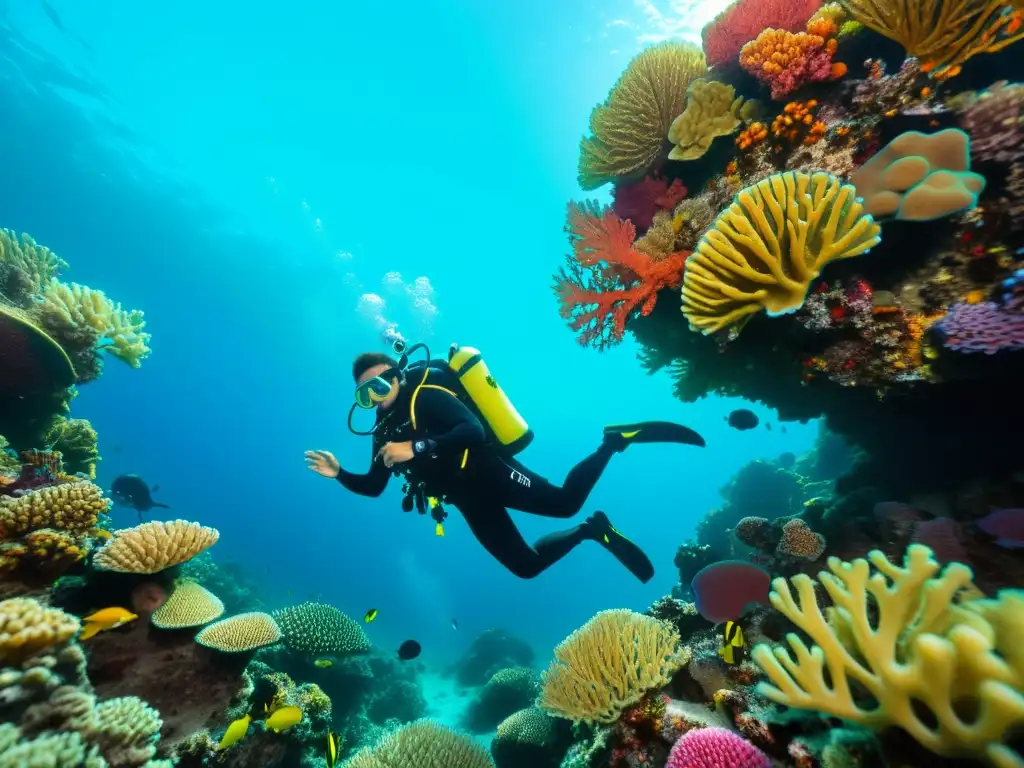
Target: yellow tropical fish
x,y
283,719
370,615
235,732
333,747
323,663
108,618
733,642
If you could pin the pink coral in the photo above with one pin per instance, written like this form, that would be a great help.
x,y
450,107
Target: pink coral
x,y
786,60
742,21
715,748
639,202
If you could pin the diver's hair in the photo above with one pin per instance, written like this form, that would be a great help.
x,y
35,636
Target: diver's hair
x,y
368,360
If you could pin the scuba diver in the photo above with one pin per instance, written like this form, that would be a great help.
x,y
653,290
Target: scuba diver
x,y
449,429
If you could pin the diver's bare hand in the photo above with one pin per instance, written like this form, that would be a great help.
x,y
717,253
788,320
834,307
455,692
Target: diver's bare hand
x,y
396,453
323,463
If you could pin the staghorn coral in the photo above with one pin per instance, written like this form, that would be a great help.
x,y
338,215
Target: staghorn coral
x,y
152,547
424,744
106,325
189,605
934,642
712,110
630,127
606,272
943,34
766,248
609,664
317,629
36,264
241,633
77,442
744,20
69,507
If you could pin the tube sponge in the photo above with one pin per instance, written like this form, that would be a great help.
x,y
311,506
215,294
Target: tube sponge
x,y
934,643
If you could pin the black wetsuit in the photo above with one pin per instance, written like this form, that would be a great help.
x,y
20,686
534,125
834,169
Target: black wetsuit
x,y
455,461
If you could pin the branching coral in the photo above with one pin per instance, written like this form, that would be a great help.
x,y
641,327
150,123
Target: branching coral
x,y
933,643
606,272
155,546
630,127
744,20
75,310
712,110
609,664
942,33
35,264
766,248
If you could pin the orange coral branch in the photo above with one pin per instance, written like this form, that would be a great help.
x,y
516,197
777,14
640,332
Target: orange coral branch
x,y
606,281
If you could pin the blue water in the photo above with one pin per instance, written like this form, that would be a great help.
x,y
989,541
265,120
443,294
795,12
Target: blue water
x,y
244,173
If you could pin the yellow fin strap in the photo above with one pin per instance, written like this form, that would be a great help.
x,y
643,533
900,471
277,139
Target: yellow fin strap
x,y
439,530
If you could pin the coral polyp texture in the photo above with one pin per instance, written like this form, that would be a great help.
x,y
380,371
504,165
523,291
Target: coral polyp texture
x,y
764,250
70,507
241,633
189,605
28,629
935,642
317,628
154,547
425,744
609,664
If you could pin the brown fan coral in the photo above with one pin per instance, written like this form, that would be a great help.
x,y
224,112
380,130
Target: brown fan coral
x,y
765,249
152,547
630,127
70,507
712,110
85,319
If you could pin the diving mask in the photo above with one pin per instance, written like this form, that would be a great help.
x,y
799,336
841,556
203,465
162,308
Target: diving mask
x,y
372,392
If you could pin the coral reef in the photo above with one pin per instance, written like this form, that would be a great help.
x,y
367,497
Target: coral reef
x,y
241,634
491,651
424,744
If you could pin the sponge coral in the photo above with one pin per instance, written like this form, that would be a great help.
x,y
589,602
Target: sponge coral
x,y
318,629
764,250
609,664
934,643
69,506
630,127
155,546
712,110
73,310
423,744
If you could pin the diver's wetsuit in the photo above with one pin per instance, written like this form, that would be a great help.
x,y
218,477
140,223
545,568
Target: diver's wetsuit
x,y
455,461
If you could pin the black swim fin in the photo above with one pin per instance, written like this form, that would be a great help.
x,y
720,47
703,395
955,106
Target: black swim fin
x,y
652,432
624,550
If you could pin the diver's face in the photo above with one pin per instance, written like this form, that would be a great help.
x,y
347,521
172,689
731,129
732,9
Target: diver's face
x,y
374,372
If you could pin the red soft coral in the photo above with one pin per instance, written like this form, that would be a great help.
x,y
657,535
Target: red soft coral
x,y
607,273
639,201
744,20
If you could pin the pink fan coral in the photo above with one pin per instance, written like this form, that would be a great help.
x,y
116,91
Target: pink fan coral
x,y
715,748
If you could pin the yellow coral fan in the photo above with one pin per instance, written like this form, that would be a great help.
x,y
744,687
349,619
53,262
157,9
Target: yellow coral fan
x,y
712,110
423,744
764,250
120,331
36,263
70,507
28,628
933,644
244,632
630,127
152,547
189,605
943,34
608,664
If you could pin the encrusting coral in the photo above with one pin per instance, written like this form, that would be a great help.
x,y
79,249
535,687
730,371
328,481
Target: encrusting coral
x,y
935,642
609,664
630,127
155,546
764,250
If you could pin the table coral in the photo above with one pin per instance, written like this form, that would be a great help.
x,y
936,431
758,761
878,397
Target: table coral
x,y
241,633
629,128
154,546
765,249
712,110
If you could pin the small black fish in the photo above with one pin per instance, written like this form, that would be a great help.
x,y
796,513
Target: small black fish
x,y
409,650
743,419
132,491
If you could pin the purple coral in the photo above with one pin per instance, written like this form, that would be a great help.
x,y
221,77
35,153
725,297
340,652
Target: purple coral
x,y
715,748
984,327
995,120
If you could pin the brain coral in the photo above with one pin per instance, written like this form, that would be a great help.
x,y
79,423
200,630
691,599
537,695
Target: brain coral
x,y
152,547
317,628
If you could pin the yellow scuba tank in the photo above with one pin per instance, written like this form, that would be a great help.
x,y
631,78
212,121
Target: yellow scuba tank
x,y
493,405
